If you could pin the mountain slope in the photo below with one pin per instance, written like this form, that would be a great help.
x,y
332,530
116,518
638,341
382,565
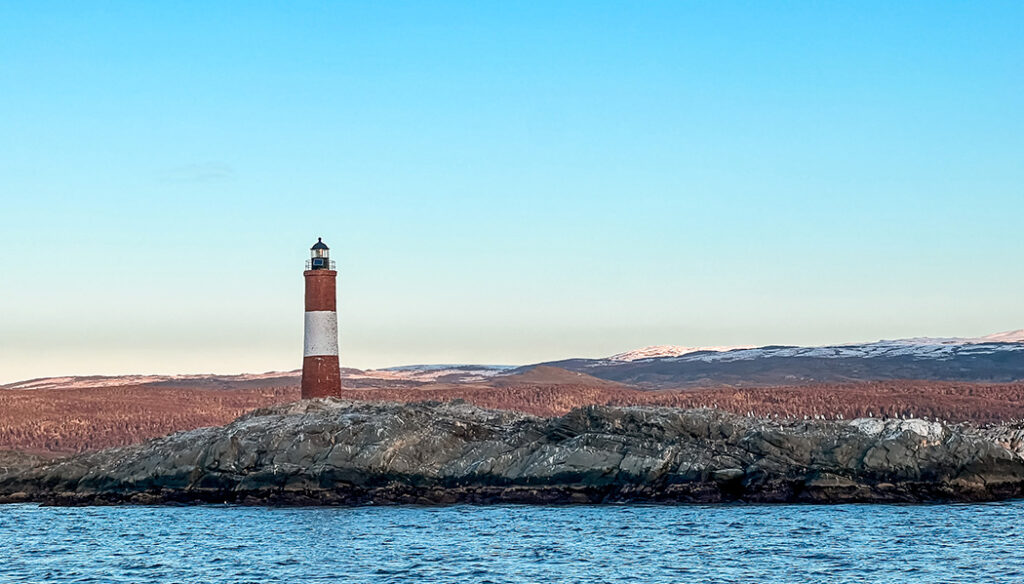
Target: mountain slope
x,y
546,375
995,358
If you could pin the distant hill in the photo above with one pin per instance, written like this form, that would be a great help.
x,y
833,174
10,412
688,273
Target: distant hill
x,y
993,359
547,375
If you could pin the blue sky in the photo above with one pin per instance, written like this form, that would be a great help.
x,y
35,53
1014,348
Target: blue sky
x,y
502,182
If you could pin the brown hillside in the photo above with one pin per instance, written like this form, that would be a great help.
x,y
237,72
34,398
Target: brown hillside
x,y
73,420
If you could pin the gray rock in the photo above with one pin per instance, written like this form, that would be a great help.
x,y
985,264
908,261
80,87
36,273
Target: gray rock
x,y
338,452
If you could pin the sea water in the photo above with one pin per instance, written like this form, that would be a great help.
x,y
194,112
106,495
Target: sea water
x,y
479,544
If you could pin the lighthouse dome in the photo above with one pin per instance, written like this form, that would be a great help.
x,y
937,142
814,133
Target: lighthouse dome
x,y
319,244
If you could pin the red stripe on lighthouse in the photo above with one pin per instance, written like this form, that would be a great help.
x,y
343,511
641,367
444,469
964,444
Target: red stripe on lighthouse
x,y
321,291
321,376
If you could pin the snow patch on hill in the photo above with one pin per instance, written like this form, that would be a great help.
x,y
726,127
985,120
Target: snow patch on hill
x,y
658,351
95,381
432,373
1007,337
899,348
920,347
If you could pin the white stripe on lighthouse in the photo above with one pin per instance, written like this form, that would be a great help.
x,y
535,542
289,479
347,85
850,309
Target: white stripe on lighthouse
x,y
321,333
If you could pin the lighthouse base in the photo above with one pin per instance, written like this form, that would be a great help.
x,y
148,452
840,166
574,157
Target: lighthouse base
x,y
321,377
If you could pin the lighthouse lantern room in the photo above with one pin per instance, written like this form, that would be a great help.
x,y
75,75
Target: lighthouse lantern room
x,y
320,256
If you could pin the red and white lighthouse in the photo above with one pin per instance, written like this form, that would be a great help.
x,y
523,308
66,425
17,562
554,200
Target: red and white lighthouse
x,y
321,372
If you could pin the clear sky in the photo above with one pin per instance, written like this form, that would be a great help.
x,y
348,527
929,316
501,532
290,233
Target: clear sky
x,y
502,182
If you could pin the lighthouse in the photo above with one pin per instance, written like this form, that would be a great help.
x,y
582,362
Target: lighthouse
x,y
321,373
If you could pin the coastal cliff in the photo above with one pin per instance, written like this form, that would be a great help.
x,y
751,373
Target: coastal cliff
x,y
334,452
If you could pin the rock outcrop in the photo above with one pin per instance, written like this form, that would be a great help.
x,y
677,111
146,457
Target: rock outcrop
x,y
349,453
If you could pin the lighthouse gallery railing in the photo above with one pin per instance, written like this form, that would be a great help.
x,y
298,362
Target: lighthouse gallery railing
x,y
331,266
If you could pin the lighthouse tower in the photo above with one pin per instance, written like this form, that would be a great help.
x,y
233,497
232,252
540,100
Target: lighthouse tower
x,y
321,373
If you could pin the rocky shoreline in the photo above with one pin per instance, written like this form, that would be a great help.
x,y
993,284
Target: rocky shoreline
x,y
333,452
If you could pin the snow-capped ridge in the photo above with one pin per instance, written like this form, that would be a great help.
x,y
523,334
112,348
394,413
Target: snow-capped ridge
x,y
657,351
918,347
432,373
95,381
1016,336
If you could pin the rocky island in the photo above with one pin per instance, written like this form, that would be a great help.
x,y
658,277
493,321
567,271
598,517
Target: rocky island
x,y
336,452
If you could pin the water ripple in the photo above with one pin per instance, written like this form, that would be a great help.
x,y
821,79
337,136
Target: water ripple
x,y
502,544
